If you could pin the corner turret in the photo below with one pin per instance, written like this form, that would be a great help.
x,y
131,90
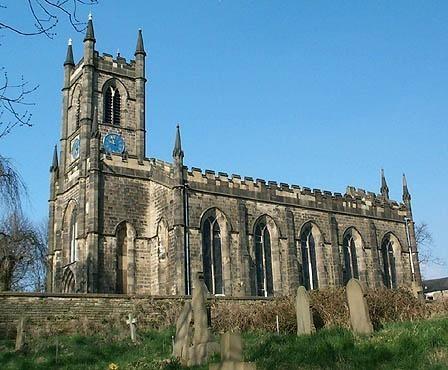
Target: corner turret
x,y
140,82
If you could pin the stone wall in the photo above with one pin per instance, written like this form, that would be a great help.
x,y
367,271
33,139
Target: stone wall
x,y
67,312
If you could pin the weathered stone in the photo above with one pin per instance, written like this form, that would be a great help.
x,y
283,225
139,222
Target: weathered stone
x,y
304,316
20,336
231,347
203,345
359,311
182,339
232,354
199,300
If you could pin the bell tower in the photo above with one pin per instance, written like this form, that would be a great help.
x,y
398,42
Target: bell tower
x,y
103,115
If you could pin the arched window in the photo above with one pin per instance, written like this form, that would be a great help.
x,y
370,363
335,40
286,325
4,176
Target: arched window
x,y
389,266
212,256
350,258
122,262
309,265
263,260
112,106
73,255
68,281
78,111
162,255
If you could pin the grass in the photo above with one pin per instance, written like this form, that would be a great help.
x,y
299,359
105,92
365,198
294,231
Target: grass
x,y
409,345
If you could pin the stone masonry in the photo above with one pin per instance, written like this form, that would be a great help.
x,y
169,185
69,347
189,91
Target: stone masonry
x,y
120,222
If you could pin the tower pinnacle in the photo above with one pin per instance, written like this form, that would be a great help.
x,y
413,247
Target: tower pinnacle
x,y
54,164
177,151
384,188
90,35
140,49
69,57
406,194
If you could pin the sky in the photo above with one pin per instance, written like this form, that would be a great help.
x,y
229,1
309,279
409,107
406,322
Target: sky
x,y
320,94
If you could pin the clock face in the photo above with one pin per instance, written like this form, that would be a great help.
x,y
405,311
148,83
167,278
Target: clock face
x,y
75,148
113,143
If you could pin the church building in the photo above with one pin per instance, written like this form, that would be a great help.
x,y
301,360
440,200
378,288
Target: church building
x,y
120,222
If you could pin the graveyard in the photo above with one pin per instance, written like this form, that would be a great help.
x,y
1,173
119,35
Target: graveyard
x,y
421,344
352,328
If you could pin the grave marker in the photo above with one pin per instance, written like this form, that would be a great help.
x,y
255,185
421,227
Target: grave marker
x,y
359,310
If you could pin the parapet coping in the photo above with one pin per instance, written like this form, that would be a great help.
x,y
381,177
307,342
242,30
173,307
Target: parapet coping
x,y
126,296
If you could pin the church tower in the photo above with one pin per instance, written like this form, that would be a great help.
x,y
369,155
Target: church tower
x,y
103,115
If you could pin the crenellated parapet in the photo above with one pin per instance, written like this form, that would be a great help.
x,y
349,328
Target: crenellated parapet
x,y
354,201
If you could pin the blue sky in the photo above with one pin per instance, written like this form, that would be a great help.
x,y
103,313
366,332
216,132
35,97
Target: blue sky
x,y
316,93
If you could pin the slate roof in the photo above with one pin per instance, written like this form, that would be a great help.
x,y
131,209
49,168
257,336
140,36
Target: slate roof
x,y
435,285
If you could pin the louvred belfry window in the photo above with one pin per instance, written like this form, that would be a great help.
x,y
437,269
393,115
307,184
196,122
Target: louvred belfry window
x,y
112,106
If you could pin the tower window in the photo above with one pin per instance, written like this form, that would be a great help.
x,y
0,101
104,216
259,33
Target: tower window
x,y
112,106
78,111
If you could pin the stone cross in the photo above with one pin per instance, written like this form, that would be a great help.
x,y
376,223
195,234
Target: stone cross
x,y
183,333
132,326
359,311
20,336
303,312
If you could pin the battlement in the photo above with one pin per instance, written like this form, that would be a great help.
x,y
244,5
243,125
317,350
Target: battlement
x,y
355,200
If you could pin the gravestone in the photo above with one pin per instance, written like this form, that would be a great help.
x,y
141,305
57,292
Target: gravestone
x,y
232,354
183,333
20,336
203,345
132,322
303,312
359,311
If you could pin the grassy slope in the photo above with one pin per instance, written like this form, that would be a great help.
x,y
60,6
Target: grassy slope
x,y
419,345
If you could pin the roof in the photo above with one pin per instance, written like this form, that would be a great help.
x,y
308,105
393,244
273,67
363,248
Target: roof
x,y
435,285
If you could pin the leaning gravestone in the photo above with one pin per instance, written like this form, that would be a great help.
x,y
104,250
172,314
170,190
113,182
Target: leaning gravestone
x,y
20,336
359,311
203,345
303,312
232,354
183,333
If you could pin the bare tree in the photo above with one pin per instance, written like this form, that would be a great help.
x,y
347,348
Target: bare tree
x,y
44,17
425,245
23,254
14,96
12,187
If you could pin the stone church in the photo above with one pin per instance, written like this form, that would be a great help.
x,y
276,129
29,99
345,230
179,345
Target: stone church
x,y
120,222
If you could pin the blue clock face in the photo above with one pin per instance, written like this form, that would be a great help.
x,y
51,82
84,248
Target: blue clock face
x,y
75,148
113,143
